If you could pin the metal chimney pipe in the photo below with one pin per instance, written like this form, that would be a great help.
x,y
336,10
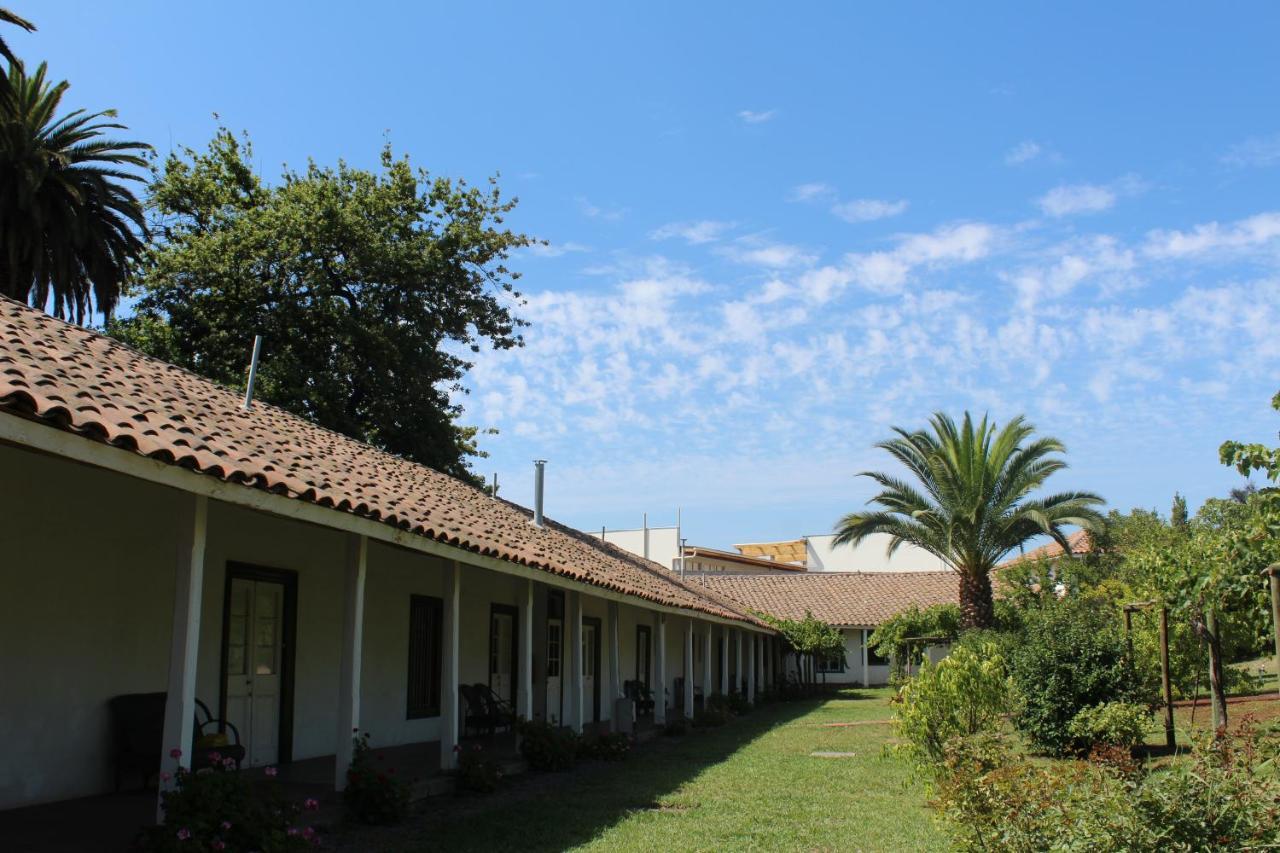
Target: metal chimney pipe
x,y
539,471
253,372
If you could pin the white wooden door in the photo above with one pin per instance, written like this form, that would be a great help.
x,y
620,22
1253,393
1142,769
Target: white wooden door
x,y
254,653
501,633
589,641
555,653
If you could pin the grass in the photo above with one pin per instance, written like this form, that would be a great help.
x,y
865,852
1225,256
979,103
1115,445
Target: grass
x,y
751,785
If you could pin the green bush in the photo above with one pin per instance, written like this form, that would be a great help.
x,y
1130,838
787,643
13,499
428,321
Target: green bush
x,y
1224,798
965,693
1111,724
1069,656
219,808
374,794
477,772
610,747
547,747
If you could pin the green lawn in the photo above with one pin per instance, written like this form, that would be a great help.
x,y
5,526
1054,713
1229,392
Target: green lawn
x,y
751,785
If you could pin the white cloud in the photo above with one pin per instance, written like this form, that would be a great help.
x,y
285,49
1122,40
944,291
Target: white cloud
x,y
1023,152
757,117
868,209
1243,234
811,192
693,233
594,211
756,251
1255,151
555,250
1079,198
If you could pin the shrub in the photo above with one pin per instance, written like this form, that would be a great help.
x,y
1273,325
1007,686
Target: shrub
x,y
219,808
1111,724
477,772
963,694
547,747
374,794
676,726
716,711
610,747
1222,799
736,703
1070,655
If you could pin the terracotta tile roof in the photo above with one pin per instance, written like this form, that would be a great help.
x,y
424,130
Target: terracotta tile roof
x,y
1079,541
860,599
83,382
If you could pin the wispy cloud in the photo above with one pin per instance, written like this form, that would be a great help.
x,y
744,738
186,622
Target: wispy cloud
x,y
1255,231
758,252
1078,198
693,233
868,209
1023,152
757,117
595,211
811,192
555,250
1254,151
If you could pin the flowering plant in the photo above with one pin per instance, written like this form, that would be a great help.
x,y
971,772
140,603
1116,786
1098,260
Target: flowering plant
x,y
374,794
477,771
220,808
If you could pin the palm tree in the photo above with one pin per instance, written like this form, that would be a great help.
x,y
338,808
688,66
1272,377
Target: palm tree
x,y
972,505
69,225
7,17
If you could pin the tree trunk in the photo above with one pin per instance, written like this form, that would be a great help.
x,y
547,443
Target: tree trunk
x,y
1215,672
977,609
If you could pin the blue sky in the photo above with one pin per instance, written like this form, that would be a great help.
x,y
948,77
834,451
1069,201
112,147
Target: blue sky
x,y
778,230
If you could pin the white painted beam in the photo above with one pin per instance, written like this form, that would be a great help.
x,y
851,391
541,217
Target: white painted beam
x,y
660,669
576,662
866,675
724,661
451,671
751,668
184,648
615,657
688,668
352,652
737,666
524,689
706,663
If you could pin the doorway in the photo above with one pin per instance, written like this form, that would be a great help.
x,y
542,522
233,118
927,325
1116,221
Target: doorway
x,y
591,629
555,658
644,654
259,624
503,654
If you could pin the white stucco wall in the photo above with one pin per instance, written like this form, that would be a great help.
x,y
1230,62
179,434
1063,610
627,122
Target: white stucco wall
x,y
664,547
824,556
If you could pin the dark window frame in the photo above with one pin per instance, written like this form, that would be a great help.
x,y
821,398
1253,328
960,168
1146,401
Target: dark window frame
x,y
423,670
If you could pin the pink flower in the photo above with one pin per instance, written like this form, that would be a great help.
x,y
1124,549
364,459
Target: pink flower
x,y
226,824
218,844
175,753
165,776
311,804
270,771
457,748
184,834
228,763
308,832
293,830
215,757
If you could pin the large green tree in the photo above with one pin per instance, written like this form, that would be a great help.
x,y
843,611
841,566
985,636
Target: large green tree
x,y
70,226
972,501
368,287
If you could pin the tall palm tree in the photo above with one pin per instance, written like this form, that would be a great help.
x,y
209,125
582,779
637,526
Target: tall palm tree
x,y
7,17
972,504
69,224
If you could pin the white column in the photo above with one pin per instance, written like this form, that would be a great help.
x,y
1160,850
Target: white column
x,y
660,670
724,662
706,664
866,676
574,714
524,689
751,667
451,671
737,667
184,647
615,662
352,650
688,668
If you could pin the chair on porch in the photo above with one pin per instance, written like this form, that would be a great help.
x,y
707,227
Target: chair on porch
x,y
137,722
501,714
641,695
476,718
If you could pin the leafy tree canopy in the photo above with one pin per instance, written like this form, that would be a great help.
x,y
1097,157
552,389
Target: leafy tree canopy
x,y
809,636
368,287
